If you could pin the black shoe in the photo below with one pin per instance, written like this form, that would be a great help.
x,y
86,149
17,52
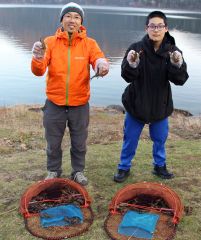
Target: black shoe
x,y
121,175
162,172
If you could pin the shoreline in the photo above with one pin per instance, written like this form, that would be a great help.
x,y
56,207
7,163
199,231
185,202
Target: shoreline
x,y
21,124
110,107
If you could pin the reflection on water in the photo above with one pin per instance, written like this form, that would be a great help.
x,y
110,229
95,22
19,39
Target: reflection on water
x,y
114,30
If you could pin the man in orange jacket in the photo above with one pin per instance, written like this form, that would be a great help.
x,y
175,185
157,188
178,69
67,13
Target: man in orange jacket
x,y
68,55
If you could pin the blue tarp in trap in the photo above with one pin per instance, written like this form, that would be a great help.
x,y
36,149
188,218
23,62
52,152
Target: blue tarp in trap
x,y
63,215
139,225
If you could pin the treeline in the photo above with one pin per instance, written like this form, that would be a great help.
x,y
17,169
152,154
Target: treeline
x,y
170,4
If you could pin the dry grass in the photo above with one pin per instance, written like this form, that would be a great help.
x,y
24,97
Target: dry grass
x,y
22,159
187,127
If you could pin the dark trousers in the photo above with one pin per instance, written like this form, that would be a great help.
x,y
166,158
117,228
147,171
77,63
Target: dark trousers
x,y
55,120
132,130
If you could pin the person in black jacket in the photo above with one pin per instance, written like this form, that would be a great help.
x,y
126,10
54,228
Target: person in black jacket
x,y
149,66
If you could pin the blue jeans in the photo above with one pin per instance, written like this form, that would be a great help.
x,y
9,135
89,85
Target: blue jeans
x,y
132,130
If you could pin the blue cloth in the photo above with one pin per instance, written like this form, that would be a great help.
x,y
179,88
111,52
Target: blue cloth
x,y
63,215
139,225
132,130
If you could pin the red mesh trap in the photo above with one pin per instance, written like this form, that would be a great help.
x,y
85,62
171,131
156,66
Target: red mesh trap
x,y
51,193
146,197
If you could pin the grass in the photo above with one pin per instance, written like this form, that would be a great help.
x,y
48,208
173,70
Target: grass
x,y
22,160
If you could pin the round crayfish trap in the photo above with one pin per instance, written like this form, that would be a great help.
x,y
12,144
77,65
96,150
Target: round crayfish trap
x,y
146,197
52,193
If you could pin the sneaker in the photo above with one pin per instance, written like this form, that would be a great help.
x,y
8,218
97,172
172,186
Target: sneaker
x,y
121,175
51,175
162,172
79,178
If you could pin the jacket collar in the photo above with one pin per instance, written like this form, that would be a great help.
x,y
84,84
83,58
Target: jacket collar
x,y
167,45
82,33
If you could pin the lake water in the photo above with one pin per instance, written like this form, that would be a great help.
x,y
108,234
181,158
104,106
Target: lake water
x,y
114,29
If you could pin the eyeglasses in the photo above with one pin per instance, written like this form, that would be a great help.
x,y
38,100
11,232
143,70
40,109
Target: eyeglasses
x,y
76,17
154,27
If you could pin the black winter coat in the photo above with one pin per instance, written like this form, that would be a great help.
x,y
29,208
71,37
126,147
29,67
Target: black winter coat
x,y
148,97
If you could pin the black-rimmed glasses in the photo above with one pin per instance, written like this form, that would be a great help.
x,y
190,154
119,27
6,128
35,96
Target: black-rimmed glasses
x,y
158,27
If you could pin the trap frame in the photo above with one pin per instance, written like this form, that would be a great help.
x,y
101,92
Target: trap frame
x,y
145,197
51,193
